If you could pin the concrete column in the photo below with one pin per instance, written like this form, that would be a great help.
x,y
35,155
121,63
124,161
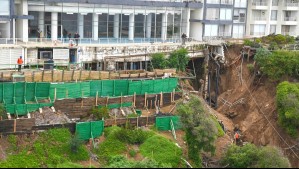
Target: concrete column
x,y
248,18
268,16
116,26
141,65
186,22
41,23
280,17
22,24
131,65
164,26
149,25
131,26
95,27
81,25
125,65
54,25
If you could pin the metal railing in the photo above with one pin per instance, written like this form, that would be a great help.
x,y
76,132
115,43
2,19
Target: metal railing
x,y
259,3
260,18
291,4
226,34
290,19
257,33
20,41
42,65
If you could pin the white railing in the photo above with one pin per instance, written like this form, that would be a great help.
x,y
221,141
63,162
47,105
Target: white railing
x,y
288,33
292,4
257,33
290,19
225,34
227,2
259,3
64,41
259,18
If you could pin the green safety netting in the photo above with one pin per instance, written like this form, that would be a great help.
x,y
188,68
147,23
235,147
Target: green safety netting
x,y
24,109
89,130
116,106
163,123
23,93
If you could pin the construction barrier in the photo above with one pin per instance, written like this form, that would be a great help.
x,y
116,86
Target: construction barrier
x,y
88,130
116,106
23,97
164,123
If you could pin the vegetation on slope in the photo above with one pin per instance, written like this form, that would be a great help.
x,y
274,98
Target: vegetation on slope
x,y
250,156
288,107
201,129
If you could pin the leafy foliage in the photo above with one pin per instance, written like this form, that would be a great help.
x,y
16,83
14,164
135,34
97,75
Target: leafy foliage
x,y
250,156
122,162
49,150
179,59
68,165
196,122
161,150
132,153
2,110
159,61
288,107
270,63
133,136
100,113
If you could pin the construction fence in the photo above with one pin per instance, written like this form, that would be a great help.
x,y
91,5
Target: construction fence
x,y
164,123
89,130
24,97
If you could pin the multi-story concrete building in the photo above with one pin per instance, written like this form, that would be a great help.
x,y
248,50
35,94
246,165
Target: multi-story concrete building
x,y
224,18
272,16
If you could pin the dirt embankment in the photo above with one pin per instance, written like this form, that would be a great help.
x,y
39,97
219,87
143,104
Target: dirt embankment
x,y
251,104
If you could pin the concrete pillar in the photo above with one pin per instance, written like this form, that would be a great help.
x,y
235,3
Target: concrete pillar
x,y
95,27
131,26
22,24
54,25
268,16
41,23
141,65
116,26
186,22
125,65
280,17
81,25
249,18
131,65
164,26
149,25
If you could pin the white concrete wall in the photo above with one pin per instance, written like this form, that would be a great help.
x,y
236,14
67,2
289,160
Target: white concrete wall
x,y
196,30
5,29
22,24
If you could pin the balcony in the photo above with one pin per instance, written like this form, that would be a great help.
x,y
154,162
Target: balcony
x,y
257,34
259,3
260,18
288,33
290,19
224,34
291,4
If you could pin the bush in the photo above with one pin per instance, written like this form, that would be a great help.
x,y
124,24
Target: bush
x,y
270,63
100,113
68,165
132,136
122,162
109,148
179,59
250,68
196,121
132,153
2,111
159,61
161,150
248,42
287,98
250,156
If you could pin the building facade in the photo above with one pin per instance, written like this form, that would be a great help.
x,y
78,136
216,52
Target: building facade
x,y
273,16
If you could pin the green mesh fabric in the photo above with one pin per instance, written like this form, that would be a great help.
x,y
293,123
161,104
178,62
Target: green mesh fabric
x,y
163,123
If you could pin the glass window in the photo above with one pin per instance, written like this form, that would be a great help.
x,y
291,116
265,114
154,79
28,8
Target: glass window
x,y
88,26
212,14
274,15
4,7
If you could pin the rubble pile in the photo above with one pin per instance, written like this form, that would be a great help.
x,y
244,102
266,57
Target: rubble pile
x,y
48,116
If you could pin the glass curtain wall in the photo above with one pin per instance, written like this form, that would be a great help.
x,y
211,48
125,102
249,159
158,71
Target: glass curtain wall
x,y
112,22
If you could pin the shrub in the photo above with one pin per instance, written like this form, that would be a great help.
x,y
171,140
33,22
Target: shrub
x,y
100,113
248,42
122,162
250,68
111,130
68,165
2,111
132,153
109,148
196,121
132,136
161,150
75,143
250,156
287,98
179,59
159,61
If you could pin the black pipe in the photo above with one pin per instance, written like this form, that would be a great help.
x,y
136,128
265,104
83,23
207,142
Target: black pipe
x,y
217,84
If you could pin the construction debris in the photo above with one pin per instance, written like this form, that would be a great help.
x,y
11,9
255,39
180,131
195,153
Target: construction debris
x,y
49,116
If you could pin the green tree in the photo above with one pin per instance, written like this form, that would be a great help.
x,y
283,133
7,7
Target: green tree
x,y
287,97
250,156
280,39
201,130
179,59
159,61
100,113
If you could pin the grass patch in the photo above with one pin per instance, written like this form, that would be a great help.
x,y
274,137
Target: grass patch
x,y
161,150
